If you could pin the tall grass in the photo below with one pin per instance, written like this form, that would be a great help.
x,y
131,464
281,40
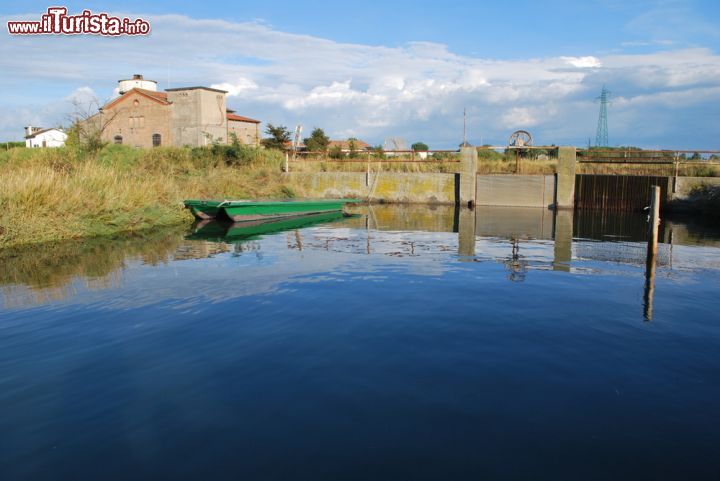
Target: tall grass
x,y
52,194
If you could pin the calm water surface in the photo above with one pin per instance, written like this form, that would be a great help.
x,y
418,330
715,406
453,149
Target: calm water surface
x,y
405,343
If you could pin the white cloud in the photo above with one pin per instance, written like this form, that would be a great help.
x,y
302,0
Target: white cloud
x,y
238,87
519,117
417,90
583,62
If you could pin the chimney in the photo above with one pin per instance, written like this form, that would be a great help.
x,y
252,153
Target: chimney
x,y
137,76
29,130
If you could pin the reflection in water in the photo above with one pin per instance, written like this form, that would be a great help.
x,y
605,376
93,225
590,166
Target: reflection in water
x,y
515,264
426,343
649,290
499,234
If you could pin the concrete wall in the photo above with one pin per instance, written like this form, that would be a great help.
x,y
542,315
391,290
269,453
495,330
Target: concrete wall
x,y
198,116
424,188
515,190
565,188
686,184
516,222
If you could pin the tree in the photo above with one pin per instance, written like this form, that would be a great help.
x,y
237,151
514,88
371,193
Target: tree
x,y
419,147
318,141
696,156
279,137
352,146
335,152
87,124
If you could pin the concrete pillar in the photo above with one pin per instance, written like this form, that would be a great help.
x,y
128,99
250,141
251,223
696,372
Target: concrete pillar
x,y
565,179
466,232
562,236
468,176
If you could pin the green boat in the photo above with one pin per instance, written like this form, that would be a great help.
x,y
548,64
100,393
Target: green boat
x,y
223,231
254,210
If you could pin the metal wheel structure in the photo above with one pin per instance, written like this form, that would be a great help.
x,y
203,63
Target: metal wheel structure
x,y
520,138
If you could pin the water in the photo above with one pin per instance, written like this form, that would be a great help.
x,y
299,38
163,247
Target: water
x,y
393,345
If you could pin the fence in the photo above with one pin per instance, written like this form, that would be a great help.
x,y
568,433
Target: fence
x,y
491,160
373,160
670,163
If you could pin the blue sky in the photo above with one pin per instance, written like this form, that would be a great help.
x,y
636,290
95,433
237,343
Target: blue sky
x,y
399,69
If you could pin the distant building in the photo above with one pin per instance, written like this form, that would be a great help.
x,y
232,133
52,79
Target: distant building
x,y
345,145
194,116
246,129
39,137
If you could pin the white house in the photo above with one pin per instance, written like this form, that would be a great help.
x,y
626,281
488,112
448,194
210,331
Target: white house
x,y
39,137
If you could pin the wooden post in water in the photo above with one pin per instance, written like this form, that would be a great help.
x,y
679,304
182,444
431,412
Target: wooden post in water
x,y
649,290
651,262
653,219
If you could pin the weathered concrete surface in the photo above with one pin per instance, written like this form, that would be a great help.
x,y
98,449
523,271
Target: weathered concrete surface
x,y
421,188
402,217
686,184
468,175
198,113
565,185
563,236
516,222
466,232
515,190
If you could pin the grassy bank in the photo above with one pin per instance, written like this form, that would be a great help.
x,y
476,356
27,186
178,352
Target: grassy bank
x,y
53,194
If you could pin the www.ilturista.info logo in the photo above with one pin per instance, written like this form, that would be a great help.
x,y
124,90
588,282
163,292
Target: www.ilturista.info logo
x,y
57,22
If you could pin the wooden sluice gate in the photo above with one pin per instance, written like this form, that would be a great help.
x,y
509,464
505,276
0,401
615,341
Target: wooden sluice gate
x,y
615,193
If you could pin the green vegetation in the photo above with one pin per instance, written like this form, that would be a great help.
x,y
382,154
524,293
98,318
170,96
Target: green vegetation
x,y
420,147
48,272
706,198
279,137
318,141
63,193
11,145
335,152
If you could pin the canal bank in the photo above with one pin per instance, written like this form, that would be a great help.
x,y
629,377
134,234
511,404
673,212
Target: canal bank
x,y
55,194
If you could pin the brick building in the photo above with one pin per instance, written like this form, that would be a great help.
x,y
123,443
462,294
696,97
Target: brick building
x,y
194,116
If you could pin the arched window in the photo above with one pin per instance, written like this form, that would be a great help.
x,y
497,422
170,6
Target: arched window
x,y
118,139
157,140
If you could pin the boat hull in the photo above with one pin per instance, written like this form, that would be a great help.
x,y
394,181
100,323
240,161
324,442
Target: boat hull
x,y
203,209
253,211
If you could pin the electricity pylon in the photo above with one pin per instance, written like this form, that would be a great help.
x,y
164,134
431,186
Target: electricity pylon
x,y
601,137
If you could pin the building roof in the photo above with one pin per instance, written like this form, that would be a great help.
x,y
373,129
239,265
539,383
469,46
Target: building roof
x,y
42,131
240,118
198,87
156,95
159,97
345,144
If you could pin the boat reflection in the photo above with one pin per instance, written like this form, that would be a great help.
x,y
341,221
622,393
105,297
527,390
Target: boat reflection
x,y
220,231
